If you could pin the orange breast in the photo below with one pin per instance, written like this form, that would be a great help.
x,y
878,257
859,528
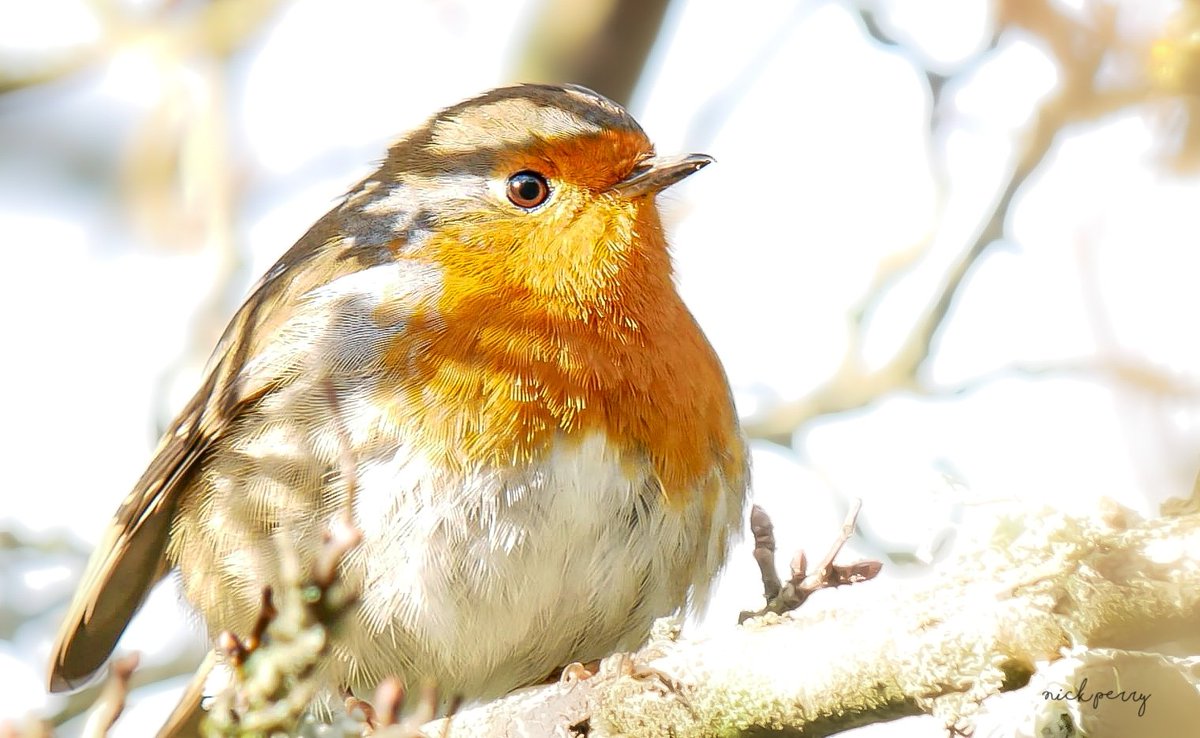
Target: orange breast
x,y
499,371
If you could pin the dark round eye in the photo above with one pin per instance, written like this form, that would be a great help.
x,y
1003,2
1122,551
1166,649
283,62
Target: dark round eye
x,y
528,189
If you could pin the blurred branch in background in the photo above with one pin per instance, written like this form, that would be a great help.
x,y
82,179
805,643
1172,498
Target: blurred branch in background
x,y
1101,74
176,173
601,44
219,28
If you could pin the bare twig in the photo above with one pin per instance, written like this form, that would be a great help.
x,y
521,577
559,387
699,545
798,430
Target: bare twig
x,y
346,459
764,550
234,649
188,712
112,700
946,644
265,617
278,669
824,569
801,584
275,681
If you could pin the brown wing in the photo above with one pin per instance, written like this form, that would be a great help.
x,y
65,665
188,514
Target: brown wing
x,y
255,356
127,562
130,559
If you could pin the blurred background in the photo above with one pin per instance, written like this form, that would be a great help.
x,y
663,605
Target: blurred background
x,y
948,254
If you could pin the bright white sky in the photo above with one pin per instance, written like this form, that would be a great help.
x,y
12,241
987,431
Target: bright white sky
x,y
823,170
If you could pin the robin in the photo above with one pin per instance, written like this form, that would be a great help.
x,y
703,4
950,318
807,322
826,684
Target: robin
x,y
546,453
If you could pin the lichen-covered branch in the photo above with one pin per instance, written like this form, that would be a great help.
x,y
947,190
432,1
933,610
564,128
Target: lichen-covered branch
x,y
1043,583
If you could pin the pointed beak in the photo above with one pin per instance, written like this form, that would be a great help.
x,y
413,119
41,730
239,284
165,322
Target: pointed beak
x,y
655,175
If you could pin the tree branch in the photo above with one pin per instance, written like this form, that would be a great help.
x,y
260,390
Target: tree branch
x,y
1044,581
1080,47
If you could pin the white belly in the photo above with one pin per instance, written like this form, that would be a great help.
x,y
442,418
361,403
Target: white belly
x,y
481,580
493,580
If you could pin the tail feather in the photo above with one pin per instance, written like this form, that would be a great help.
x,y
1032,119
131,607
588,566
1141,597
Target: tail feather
x,y
119,576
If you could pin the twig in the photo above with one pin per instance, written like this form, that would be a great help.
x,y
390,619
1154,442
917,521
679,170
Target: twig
x,y
340,540
764,550
349,467
112,700
801,585
344,534
945,644
186,717
279,668
234,649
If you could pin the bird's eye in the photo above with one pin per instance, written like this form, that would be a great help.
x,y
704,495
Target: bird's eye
x,y
528,189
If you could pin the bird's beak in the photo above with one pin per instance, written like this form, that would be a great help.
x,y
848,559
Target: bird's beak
x,y
657,174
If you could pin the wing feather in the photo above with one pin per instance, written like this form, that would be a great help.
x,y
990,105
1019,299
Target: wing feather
x,y
308,305
130,557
